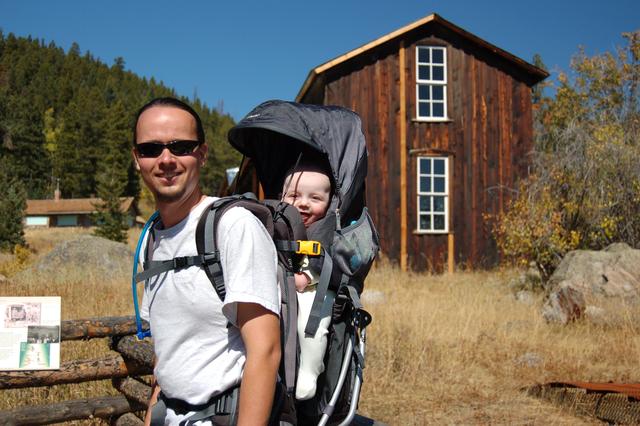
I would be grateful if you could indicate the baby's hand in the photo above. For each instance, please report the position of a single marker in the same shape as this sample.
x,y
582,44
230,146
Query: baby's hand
x,y
302,281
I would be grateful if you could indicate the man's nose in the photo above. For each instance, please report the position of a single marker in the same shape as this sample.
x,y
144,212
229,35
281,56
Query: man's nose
x,y
166,156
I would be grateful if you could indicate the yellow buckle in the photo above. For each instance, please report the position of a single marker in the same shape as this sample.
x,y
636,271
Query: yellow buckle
x,y
310,248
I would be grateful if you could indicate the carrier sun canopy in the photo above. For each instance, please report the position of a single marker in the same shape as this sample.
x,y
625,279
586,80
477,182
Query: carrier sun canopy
x,y
275,133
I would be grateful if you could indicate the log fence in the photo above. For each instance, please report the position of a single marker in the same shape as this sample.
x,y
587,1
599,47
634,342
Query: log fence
x,y
130,360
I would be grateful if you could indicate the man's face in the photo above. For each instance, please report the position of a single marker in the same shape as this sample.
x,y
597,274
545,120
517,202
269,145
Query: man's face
x,y
309,192
171,178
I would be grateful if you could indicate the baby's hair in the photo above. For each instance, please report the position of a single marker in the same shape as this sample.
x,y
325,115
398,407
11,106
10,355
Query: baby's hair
x,y
308,165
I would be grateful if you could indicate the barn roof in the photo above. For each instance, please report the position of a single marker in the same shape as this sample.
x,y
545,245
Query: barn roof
x,y
70,206
314,78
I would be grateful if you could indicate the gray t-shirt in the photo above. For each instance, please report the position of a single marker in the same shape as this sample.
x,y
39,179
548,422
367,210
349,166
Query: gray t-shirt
x,y
197,355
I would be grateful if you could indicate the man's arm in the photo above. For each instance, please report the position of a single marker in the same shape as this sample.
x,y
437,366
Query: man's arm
x,y
155,391
260,330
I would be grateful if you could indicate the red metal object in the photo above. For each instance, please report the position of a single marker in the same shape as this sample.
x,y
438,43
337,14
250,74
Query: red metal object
x,y
631,390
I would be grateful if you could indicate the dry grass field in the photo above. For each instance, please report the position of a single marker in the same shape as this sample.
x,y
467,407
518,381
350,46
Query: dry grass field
x,y
442,349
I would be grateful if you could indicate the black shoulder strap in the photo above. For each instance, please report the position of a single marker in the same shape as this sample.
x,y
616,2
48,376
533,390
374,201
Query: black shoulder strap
x,y
206,233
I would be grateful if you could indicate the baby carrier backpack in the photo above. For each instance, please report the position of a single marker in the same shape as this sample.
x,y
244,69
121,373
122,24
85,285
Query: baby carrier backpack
x,y
342,245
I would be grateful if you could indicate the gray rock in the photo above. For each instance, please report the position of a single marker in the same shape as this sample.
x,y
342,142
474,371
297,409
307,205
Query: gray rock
x,y
600,277
563,306
530,359
86,255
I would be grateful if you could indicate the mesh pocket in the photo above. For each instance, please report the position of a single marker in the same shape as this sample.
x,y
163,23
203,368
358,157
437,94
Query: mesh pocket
x,y
355,247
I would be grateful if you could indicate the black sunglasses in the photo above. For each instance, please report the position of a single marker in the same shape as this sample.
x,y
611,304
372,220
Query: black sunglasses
x,y
177,147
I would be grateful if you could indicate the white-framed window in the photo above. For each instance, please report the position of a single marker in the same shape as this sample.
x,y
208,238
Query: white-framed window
x,y
433,194
431,83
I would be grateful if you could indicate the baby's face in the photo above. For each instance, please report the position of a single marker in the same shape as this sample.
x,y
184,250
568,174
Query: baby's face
x,y
309,192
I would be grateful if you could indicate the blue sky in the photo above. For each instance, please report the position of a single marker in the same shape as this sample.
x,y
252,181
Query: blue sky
x,y
240,53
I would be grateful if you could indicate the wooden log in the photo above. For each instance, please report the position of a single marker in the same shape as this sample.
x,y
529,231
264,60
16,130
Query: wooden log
x,y
99,327
128,419
133,389
105,408
75,372
132,349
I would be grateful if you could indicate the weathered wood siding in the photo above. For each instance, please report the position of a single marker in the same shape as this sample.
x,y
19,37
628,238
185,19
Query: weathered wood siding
x,y
372,91
489,135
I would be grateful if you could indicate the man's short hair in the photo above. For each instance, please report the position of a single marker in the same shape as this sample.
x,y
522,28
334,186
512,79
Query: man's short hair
x,y
169,102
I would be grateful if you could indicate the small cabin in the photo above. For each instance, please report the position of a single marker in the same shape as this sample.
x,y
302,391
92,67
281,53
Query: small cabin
x,y
61,212
448,122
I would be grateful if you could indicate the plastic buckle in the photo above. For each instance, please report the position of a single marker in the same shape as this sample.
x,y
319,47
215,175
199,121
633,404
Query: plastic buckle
x,y
310,248
179,262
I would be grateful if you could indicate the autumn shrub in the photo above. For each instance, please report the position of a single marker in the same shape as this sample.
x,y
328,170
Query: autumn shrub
x,y
584,190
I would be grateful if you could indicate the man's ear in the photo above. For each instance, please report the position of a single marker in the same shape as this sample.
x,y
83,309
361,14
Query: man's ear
x,y
135,159
204,150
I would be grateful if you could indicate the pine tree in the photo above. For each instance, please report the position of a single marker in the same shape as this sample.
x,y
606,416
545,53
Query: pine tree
x,y
110,220
53,117
113,175
12,209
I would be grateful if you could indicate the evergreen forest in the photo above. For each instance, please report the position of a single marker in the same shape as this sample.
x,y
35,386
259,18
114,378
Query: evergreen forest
x,y
66,118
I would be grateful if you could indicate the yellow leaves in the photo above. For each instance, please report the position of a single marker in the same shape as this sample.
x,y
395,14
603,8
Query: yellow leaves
x,y
611,132
18,262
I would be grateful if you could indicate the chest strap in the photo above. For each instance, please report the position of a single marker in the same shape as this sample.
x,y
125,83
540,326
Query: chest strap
x,y
155,267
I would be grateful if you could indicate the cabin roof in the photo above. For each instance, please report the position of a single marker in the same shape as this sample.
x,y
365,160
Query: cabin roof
x,y
537,74
70,206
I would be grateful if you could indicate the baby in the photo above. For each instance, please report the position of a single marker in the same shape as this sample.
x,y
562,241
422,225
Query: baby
x,y
308,188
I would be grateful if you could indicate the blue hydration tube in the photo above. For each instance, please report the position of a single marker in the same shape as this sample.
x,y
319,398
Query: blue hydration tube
x,y
141,334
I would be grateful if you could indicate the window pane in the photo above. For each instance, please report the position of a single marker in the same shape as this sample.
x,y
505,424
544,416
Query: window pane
x,y
438,56
438,166
425,184
438,204
425,166
425,222
424,92
424,72
425,204
438,93
438,184
424,109
423,55
438,73
438,109
438,222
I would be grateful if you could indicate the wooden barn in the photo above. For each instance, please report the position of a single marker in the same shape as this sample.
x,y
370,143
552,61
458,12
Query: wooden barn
x,y
448,122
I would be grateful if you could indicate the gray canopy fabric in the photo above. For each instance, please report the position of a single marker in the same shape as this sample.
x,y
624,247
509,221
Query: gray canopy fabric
x,y
275,133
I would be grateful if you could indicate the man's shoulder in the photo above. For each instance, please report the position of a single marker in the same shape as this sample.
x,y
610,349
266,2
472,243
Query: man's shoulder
x,y
238,216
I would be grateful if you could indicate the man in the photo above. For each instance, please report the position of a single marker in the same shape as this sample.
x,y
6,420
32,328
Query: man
x,y
204,348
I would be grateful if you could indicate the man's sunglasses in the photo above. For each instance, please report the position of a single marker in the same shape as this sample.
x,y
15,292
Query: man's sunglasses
x,y
177,147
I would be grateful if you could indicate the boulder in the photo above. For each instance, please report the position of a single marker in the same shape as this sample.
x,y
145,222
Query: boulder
x,y
84,256
564,305
605,280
